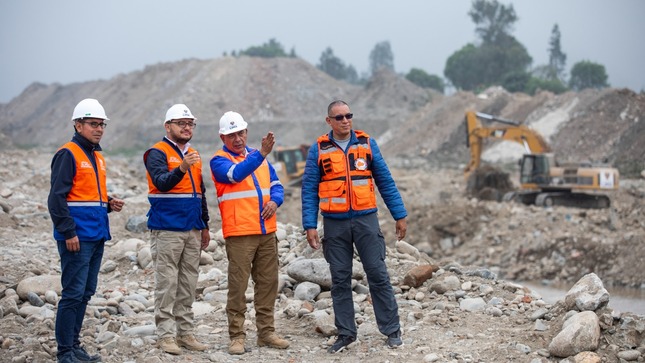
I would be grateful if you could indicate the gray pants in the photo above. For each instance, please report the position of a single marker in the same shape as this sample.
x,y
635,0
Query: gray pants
x,y
340,236
176,262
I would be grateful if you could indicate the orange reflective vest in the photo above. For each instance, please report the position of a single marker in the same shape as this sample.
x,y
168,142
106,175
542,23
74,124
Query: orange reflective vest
x,y
179,209
88,200
336,194
240,204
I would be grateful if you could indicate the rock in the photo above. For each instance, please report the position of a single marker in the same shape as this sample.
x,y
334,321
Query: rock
x,y
629,355
587,294
205,258
306,291
587,357
445,284
108,266
34,299
137,224
312,270
144,257
472,304
39,285
416,276
580,333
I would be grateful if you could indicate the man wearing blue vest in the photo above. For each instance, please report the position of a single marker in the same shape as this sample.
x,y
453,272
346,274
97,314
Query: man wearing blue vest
x,y
79,205
178,223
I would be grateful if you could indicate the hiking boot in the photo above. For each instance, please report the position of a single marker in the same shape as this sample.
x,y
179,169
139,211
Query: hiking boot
x,y
83,356
169,345
394,339
68,357
340,344
189,342
272,340
236,346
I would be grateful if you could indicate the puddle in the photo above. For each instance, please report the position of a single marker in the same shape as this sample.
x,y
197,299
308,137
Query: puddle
x,y
620,298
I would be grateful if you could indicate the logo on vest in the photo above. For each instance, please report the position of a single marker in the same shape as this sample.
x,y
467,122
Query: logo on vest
x,y
174,160
85,165
360,164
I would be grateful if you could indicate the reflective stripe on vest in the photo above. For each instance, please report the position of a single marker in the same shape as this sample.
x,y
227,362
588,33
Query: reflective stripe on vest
x,y
87,199
240,204
179,209
336,167
191,181
87,186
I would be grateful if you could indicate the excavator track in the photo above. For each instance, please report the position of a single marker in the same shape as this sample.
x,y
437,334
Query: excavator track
x,y
560,198
577,200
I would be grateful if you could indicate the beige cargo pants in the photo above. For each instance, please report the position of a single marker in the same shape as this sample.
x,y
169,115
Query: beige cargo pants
x,y
176,263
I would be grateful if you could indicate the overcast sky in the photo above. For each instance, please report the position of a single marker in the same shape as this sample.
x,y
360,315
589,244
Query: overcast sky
x,y
71,41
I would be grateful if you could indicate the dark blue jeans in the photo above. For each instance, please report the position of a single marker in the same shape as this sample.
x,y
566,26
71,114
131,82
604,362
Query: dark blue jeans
x,y
340,236
79,275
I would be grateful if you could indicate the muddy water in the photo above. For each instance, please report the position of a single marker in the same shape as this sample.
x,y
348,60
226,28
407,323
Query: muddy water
x,y
620,299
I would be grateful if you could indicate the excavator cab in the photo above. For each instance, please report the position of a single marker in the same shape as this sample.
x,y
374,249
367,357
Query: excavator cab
x,y
535,169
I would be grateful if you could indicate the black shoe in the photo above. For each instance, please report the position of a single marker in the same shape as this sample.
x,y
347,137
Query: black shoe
x,y
68,357
394,339
341,343
84,357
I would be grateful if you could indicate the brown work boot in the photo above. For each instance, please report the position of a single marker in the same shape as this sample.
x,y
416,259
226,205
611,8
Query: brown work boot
x,y
236,346
169,345
274,341
189,342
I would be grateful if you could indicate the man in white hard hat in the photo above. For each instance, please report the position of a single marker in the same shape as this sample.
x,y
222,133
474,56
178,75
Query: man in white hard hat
x,y
78,204
249,193
178,223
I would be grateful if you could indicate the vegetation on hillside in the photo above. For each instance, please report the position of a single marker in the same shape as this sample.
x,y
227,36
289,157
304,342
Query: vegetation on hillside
x,y
496,58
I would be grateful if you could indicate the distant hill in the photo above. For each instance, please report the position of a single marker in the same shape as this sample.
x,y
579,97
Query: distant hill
x,y
286,95
289,96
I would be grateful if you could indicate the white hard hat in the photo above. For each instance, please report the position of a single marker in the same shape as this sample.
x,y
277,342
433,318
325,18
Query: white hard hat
x,y
178,111
89,108
231,122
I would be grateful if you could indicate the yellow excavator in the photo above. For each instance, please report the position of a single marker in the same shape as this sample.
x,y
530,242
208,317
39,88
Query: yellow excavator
x,y
543,181
289,163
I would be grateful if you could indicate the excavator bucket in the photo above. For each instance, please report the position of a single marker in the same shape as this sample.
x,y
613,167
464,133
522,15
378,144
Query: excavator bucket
x,y
488,183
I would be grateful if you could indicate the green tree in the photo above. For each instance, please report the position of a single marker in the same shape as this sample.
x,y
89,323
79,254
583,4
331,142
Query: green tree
x,y
463,69
335,67
475,67
422,79
493,21
381,56
499,58
515,81
272,49
552,85
586,74
557,59
331,64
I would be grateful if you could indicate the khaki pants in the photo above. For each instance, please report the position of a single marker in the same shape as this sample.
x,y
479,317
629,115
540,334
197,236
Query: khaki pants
x,y
255,256
176,262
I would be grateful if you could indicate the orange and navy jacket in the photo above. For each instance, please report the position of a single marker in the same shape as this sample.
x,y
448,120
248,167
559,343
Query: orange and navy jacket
x,y
341,183
177,199
245,183
78,200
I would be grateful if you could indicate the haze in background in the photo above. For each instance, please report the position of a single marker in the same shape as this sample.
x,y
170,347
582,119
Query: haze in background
x,y
79,40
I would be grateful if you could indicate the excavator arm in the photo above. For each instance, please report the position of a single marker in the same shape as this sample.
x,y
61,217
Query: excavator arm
x,y
509,130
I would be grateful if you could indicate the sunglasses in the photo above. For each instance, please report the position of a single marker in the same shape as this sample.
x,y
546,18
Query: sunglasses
x,y
341,117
